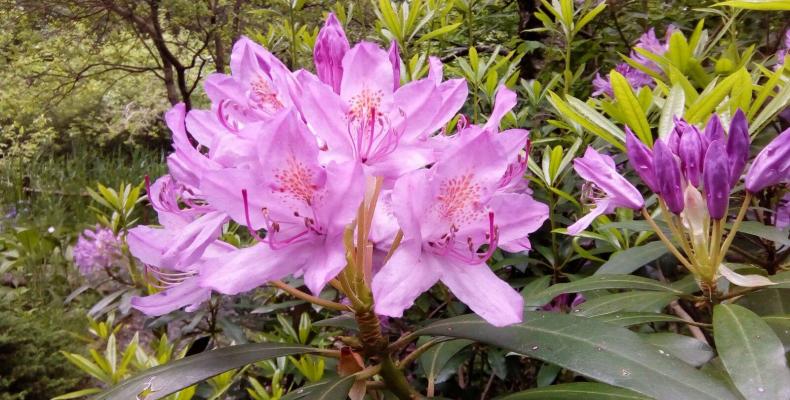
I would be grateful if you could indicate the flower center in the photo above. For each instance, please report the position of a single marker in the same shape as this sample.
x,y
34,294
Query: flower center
x,y
370,131
459,200
264,97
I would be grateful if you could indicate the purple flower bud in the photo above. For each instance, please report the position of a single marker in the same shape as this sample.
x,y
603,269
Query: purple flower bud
x,y
771,166
395,60
713,130
668,177
716,179
690,150
641,159
330,47
738,146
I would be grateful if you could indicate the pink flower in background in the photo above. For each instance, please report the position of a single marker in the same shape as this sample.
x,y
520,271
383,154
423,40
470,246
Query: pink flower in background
x,y
650,43
635,78
330,47
97,249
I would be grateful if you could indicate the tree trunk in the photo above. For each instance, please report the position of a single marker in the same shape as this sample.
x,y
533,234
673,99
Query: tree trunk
x,y
526,21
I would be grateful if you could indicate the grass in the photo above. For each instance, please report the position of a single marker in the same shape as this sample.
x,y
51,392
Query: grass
x,y
50,191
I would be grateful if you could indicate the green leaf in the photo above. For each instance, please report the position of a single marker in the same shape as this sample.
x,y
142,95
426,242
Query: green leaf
x,y
629,260
577,391
629,105
603,352
435,358
598,282
328,389
692,351
77,394
711,97
628,301
438,32
752,354
636,318
761,5
765,231
673,107
589,17
342,321
776,105
169,378
584,115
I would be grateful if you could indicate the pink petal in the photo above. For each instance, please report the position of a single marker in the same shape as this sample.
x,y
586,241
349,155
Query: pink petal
x,y
485,293
187,293
504,102
401,280
248,268
601,207
366,66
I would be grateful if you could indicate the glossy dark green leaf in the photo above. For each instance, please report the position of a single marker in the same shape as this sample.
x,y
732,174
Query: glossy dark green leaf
x,y
434,360
343,321
630,260
625,302
600,351
636,318
764,231
327,389
752,354
174,376
598,282
692,351
576,391
781,326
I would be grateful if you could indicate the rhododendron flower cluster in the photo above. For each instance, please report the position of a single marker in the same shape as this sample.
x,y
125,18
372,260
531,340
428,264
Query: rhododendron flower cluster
x,y
346,168
693,172
96,249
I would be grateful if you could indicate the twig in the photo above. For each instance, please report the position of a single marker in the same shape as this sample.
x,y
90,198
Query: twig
x,y
695,330
308,297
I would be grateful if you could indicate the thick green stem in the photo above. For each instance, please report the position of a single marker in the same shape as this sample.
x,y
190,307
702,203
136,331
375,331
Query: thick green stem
x,y
395,380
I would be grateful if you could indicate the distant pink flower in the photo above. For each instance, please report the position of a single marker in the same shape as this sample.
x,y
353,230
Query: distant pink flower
x,y
635,78
97,249
650,43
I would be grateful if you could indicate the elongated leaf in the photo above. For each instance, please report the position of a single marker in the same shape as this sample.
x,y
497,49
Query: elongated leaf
x,y
439,32
577,391
628,301
690,350
629,105
169,378
328,389
598,282
711,97
630,260
78,394
752,354
673,107
764,231
434,360
762,5
342,321
636,318
597,350
586,120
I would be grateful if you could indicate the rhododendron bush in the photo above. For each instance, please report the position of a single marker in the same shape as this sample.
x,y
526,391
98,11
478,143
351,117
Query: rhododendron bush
x,y
392,222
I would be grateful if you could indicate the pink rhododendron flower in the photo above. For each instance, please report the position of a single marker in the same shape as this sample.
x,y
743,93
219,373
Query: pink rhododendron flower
x,y
448,214
292,156
605,188
303,206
